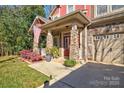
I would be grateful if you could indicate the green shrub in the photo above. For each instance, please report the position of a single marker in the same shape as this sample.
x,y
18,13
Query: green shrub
x,y
69,63
54,51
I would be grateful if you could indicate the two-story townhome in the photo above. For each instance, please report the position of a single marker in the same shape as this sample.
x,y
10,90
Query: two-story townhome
x,y
87,32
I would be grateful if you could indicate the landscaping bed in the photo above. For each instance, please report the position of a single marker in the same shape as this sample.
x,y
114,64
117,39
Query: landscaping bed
x,y
30,56
17,74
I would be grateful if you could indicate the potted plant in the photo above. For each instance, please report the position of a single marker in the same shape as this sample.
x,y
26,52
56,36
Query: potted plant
x,y
48,54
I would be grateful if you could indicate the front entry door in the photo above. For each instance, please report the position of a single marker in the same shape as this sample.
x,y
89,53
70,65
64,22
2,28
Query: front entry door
x,y
66,46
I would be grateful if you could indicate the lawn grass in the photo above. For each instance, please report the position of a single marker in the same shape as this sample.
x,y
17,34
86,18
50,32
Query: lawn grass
x,y
17,74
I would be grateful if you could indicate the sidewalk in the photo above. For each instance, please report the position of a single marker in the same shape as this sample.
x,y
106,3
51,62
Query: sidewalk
x,y
54,69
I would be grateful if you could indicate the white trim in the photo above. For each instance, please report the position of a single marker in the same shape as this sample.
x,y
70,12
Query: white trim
x,y
81,45
74,8
62,42
86,46
66,9
110,8
59,11
85,6
95,11
93,48
62,47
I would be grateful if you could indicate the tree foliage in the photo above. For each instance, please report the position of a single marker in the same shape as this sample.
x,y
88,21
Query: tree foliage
x,y
14,24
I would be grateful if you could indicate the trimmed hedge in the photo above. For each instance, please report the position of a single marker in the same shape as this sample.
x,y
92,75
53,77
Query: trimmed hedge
x,y
70,63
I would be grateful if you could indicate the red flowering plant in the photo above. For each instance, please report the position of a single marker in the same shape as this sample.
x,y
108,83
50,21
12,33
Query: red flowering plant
x,y
24,53
27,54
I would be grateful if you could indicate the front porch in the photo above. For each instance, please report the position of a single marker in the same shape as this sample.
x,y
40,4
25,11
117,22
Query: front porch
x,y
69,33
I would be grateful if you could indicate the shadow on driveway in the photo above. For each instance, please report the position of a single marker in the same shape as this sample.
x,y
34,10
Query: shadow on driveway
x,y
92,75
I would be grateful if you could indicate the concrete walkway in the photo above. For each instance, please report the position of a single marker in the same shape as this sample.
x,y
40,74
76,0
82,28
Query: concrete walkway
x,y
54,69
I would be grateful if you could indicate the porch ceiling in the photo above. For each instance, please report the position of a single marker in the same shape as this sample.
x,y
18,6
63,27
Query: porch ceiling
x,y
76,17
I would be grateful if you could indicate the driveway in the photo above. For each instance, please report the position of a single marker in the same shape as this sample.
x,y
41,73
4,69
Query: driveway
x,y
92,75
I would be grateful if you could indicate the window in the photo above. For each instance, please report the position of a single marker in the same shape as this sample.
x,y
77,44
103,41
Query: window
x,y
115,7
104,9
70,8
56,41
101,9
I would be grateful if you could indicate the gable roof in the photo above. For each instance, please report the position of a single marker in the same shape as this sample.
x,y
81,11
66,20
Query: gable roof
x,y
38,17
78,15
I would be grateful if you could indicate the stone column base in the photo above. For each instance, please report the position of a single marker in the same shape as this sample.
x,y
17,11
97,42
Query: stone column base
x,y
36,49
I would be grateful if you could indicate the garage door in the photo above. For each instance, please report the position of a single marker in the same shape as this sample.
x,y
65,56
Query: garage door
x,y
109,48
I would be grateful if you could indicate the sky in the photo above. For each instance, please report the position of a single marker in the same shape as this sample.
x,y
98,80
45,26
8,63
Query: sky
x,y
47,9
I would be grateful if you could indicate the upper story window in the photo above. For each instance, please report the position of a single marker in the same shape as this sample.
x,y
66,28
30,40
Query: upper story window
x,y
101,9
104,9
115,7
70,8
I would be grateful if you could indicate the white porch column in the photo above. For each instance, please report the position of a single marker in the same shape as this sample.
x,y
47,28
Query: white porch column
x,y
74,43
36,32
62,43
49,39
85,48
81,45
93,48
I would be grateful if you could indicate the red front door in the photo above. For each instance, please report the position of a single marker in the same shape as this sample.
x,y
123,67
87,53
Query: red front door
x,y
66,46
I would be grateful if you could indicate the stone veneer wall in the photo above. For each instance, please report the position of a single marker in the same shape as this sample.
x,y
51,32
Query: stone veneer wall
x,y
74,44
105,29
